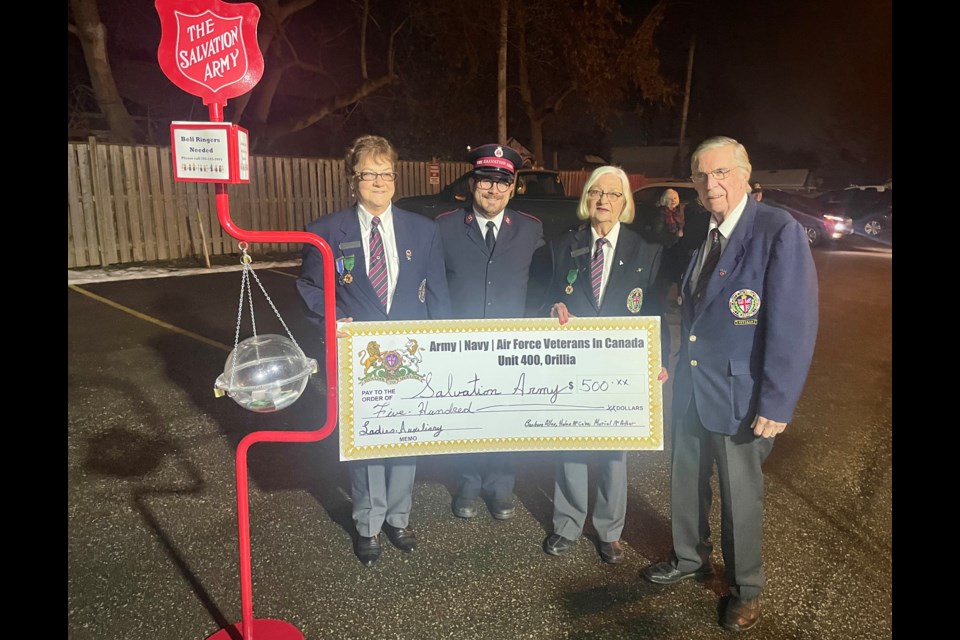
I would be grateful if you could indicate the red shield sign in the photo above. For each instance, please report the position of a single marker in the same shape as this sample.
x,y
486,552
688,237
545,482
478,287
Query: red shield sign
x,y
209,48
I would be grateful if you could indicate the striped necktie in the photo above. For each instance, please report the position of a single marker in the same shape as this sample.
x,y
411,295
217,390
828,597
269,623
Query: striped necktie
x,y
378,264
596,269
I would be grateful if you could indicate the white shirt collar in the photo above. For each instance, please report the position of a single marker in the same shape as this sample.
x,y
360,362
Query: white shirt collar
x,y
482,221
730,222
386,218
612,236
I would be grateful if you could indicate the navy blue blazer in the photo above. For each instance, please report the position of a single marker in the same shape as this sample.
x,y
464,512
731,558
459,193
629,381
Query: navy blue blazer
x,y
421,289
633,286
636,264
483,285
747,351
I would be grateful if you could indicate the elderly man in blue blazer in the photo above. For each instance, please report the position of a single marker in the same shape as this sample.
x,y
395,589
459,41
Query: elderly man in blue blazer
x,y
749,317
389,266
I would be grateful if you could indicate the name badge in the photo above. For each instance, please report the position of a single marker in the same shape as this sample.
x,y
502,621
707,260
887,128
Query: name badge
x,y
349,245
579,252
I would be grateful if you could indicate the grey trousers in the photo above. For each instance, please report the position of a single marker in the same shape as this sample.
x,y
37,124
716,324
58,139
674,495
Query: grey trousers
x,y
738,460
490,473
382,490
570,493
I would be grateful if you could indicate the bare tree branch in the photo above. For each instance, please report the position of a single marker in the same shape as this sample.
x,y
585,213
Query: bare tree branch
x,y
292,125
93,39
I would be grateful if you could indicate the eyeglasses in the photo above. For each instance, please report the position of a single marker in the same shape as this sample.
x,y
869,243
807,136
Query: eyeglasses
x,y
370,176
596,194
718,174
502,185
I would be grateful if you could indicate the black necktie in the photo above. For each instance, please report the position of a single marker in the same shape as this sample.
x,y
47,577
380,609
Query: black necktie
x,y
713,257
490,239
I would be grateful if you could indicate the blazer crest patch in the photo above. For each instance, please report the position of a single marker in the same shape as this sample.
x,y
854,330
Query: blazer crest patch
x,y
745,303
635,300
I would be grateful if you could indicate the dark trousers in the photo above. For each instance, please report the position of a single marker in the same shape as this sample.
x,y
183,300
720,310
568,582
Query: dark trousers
x,y
738,460
490,473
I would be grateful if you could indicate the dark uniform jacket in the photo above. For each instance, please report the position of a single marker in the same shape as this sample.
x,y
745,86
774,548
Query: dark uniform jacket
x,y
633,278
421,289
483,285
634,270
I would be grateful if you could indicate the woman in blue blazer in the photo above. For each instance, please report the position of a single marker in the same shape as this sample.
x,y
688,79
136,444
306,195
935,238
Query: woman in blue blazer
x,y
620,280
400,277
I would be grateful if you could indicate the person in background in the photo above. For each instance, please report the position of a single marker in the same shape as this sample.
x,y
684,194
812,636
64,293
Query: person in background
x,y
749,318
674,258
757,192
626,277
672,211
389,266
488,249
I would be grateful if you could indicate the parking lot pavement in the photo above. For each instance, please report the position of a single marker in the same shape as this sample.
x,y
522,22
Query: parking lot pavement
x,y
152,497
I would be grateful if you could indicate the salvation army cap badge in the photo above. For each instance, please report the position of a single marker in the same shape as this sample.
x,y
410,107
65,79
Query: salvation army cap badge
x,y
422,291
498,152
635,300
744,303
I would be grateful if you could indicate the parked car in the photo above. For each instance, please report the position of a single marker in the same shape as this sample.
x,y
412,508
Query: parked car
x,y
869,206
646,201
539,192
820,226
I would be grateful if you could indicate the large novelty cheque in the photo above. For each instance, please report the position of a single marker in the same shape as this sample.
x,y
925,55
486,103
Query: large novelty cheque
x,y
467,386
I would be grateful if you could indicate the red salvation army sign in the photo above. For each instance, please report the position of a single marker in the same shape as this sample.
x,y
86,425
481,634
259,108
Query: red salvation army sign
x,y
209,48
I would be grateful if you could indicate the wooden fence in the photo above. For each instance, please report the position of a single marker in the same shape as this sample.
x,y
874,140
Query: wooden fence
x,y
123,205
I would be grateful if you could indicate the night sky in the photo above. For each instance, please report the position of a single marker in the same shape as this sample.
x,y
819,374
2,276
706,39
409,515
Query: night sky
x,y
792,70
793,63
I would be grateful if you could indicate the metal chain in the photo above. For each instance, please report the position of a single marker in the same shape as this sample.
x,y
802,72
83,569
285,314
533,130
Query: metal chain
x,y
245,286
265,295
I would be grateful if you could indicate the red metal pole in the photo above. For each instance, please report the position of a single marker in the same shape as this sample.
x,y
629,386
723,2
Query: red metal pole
x,y
276,629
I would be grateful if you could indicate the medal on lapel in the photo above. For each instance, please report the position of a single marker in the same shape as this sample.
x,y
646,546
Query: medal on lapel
x,y
571,278
348,262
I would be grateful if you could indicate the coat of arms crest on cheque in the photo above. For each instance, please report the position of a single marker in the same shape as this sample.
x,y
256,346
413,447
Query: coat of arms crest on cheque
x,y
390,366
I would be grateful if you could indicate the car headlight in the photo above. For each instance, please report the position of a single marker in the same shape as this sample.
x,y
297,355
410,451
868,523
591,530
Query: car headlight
x,y
841,225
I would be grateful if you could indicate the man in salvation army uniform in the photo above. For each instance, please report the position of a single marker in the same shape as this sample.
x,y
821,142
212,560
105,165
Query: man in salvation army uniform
x,y
488,249
601,269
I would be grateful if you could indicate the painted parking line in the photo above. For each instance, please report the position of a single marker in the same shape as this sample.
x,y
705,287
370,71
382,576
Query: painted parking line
x,y
159,323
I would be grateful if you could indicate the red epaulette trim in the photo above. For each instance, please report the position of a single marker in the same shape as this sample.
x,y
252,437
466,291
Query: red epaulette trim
x,y
529,215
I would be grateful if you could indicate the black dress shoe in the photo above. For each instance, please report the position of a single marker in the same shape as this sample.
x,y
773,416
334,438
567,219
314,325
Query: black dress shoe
x,y
557,545
611,552
368,550
465,507
502,509
741,614
404,538
666,573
